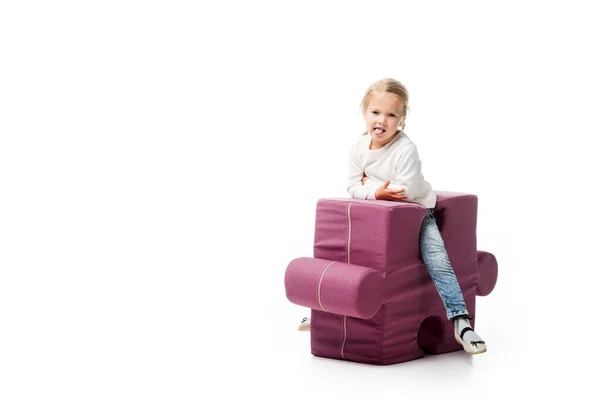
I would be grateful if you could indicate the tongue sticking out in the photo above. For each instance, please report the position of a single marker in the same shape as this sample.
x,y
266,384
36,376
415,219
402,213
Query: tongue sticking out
x,y
378,131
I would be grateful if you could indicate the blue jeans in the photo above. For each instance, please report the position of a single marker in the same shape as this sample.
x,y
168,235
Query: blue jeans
x,y
435,257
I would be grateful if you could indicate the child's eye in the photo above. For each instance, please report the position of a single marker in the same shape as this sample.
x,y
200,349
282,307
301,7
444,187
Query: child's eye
x,y
374,112
393,115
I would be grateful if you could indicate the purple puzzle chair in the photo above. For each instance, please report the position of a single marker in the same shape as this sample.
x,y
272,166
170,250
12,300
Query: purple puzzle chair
x,y
371,297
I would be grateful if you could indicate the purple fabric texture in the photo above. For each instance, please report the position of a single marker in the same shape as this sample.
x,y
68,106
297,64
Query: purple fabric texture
x,y
488,273
367,246
334,287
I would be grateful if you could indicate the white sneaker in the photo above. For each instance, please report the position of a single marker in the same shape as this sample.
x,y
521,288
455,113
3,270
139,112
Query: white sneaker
x,y
469,340
305,324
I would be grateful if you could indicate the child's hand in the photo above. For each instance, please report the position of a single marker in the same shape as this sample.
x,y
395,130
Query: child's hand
x,y
383,193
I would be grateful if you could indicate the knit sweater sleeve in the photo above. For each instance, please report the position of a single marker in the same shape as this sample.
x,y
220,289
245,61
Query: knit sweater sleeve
x,y
407,172
355,174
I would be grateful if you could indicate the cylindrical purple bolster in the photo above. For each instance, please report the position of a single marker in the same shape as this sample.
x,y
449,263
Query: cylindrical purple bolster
x,y
334,287
488,273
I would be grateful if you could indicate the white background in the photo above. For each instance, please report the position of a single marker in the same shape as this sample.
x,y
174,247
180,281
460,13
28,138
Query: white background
x,y
160,164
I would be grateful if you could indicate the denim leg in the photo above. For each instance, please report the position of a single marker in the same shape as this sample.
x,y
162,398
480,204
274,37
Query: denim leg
x,y
435,257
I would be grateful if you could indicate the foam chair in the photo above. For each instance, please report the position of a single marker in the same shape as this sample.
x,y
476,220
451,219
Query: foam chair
x,y
371,297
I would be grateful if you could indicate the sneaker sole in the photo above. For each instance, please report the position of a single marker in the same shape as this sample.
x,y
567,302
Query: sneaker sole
x,y
466,346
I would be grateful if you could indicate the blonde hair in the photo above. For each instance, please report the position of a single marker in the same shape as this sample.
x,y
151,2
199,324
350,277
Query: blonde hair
x,y
387,86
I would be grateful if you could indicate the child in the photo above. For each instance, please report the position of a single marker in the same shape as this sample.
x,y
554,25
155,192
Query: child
x,y
385,165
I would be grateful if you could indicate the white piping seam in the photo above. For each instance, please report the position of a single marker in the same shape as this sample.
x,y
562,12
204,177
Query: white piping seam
x,y
349,229
348,251
344,341
319,288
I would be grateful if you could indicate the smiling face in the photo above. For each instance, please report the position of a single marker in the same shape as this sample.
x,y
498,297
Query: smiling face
x,y
382,117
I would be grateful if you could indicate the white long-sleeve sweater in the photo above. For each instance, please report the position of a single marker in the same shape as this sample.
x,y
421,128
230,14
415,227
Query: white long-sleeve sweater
x,y
397,161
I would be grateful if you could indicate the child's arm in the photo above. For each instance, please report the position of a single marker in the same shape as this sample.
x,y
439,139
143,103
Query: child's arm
x,y
407,173
355,187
